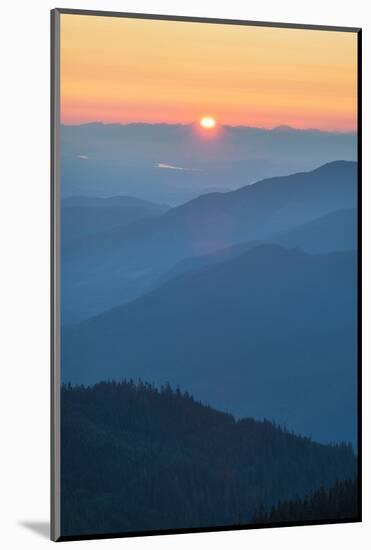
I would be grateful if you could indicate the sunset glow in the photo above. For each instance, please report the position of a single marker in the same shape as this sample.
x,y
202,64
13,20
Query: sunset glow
x,y
131,70
208,122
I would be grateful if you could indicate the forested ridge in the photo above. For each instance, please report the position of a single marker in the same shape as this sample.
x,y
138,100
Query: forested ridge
x,y
339,502
136,457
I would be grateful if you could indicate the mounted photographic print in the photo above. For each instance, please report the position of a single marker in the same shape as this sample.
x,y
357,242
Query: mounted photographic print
x,y
205,274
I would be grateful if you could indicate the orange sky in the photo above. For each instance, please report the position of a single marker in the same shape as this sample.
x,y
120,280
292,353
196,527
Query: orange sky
x,y
132,70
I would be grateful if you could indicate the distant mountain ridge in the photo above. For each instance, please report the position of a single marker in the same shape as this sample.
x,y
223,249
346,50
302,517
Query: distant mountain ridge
x,y
83,217
123,263
333,232
103,202
115,159
251,212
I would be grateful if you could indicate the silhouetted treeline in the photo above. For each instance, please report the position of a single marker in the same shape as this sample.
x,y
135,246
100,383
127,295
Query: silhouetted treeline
x,y
138,458
339,502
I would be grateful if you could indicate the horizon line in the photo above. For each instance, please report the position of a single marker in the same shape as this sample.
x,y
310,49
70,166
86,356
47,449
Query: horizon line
x,y
279,127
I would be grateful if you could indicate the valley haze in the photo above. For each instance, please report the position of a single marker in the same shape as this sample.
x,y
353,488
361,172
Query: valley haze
x,y
128,156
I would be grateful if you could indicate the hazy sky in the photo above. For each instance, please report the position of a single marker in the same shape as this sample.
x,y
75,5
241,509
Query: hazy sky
x,y
130,70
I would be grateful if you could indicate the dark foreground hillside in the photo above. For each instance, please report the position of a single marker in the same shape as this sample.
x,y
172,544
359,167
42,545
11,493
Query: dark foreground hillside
x,y
135,458
339,502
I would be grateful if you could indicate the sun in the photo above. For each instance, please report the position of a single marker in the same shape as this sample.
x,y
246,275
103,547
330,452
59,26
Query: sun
x,y
208,122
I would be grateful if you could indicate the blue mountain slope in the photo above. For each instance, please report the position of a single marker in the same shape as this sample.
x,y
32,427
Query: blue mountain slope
x,y
271,333
120,265
87,216
333,232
